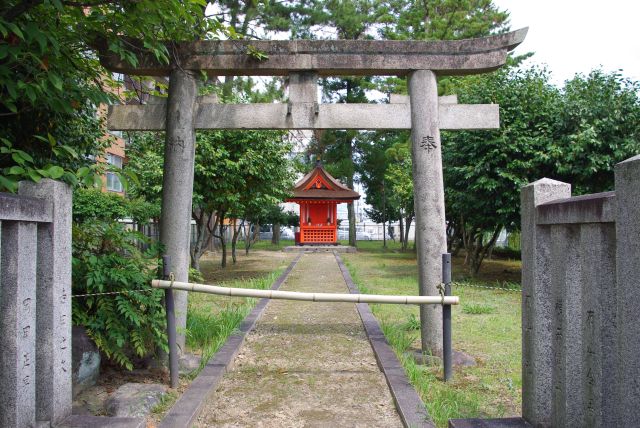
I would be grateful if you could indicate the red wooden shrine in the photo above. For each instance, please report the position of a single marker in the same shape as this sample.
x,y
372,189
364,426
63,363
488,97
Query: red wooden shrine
x,y
318,195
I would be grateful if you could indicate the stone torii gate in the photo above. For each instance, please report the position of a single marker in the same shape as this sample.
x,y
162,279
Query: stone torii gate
x,y
303,61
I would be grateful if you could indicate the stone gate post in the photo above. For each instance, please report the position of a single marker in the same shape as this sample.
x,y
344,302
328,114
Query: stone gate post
x,y
627,179
35,305
537,303
18,323
428,191
53,302
177,184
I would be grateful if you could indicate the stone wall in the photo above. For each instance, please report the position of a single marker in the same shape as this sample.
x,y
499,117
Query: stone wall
x,y
35,304
581,302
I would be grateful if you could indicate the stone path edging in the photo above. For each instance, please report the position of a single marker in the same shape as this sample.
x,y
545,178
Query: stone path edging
x,y
83,421
184,412
408,403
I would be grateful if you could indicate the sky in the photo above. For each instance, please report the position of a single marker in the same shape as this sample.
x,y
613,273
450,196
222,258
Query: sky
x,y
573,36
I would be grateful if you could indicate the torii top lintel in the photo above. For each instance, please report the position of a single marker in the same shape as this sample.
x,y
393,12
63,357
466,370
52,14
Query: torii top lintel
x,y
329,57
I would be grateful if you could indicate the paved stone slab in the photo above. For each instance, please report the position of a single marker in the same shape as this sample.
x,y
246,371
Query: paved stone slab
x,y
305,364
84,421
489,423
319,249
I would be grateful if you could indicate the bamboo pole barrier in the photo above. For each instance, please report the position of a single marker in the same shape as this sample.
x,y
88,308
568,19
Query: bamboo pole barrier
x,y
310,297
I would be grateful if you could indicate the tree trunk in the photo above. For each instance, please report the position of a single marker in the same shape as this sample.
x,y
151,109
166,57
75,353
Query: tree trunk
x,y
196,249
454,237
203,236
482,253
251,238
466,237
222,238
247,241
401,237
407,227
384,234
234,240
384,217
351,207
352,224
275,237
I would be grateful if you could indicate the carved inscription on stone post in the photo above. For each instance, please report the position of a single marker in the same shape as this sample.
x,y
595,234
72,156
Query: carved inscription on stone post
x,y
428,143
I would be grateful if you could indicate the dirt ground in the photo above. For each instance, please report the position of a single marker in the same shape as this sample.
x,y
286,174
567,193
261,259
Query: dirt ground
x,y
255,264
305,364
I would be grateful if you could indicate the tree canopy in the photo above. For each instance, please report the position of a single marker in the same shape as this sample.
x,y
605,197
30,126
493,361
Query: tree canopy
x,y
574,134
51,81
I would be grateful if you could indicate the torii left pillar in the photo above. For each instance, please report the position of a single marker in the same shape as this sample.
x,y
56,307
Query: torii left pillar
x,y
177,185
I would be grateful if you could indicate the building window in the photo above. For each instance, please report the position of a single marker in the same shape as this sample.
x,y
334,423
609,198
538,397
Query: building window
x,y
113,181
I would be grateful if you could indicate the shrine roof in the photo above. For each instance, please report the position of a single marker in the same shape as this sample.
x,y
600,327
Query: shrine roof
x,y
319,184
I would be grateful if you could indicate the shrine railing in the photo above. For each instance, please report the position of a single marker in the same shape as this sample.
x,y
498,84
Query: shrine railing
x,y
314,234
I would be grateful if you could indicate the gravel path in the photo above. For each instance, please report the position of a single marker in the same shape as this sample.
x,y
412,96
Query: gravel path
x,y
305,364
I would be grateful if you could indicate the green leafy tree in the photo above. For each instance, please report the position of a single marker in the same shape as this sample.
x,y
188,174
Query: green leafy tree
x,y
145,159
51,82
236,174
574,134
372,168
441,19
277,217
484,170
400,183
600,127
437,20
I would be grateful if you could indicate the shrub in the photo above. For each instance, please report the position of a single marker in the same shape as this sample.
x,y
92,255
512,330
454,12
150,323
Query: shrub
x,y
106,259
92,204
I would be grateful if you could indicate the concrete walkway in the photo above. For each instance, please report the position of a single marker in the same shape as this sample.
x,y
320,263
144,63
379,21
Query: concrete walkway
x,y
305,364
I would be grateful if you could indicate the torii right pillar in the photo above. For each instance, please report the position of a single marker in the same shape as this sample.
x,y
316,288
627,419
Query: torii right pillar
x,y
428,196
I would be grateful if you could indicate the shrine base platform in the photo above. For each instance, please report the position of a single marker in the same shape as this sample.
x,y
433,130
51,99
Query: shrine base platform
x,y
311,248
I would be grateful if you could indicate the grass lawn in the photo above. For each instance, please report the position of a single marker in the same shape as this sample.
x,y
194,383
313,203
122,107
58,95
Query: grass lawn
x,y
486,326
